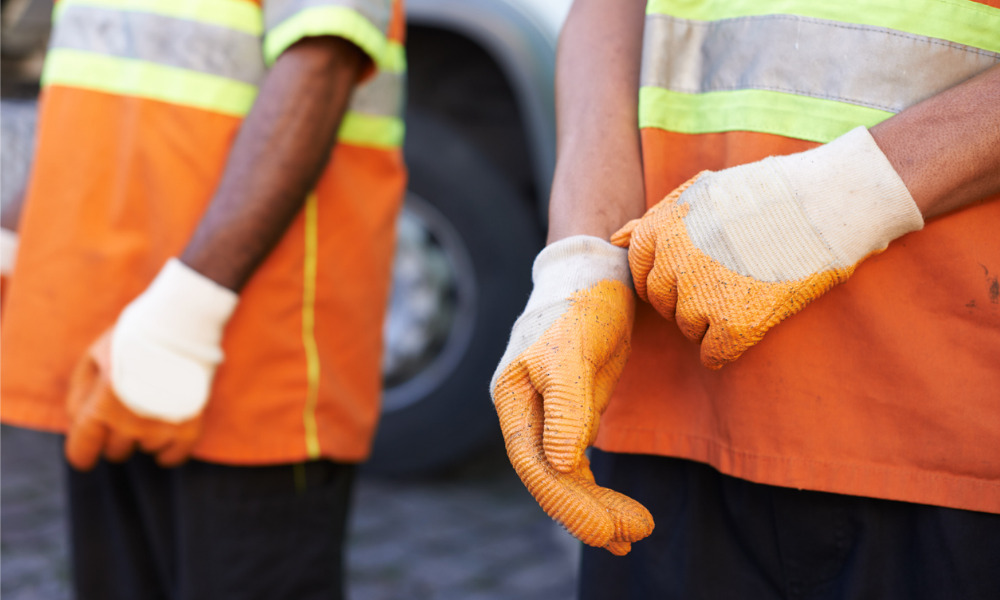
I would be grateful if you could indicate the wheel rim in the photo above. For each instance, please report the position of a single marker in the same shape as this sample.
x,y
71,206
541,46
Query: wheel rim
x,y
432,306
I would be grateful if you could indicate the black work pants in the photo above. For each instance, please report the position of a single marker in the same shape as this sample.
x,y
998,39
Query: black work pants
x,y
207,531
726,538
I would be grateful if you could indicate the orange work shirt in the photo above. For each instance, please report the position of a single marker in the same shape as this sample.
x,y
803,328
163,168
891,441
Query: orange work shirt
x,y
132,141
888,386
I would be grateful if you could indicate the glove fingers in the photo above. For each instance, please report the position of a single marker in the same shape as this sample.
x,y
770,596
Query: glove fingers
x,y
641,255
84,442
81,385
569,416
604,385
519,408
623,236
692,322
118,447
180,447
661,283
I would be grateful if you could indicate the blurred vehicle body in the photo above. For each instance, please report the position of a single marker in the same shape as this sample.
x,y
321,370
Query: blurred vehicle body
x,y
480,147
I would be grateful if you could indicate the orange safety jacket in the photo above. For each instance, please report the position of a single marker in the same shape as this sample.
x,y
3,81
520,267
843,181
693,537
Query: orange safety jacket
x,y
140,106
889,385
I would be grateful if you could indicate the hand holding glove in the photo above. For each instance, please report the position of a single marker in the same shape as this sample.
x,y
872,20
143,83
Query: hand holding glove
x,y
146,381
730,254
566,352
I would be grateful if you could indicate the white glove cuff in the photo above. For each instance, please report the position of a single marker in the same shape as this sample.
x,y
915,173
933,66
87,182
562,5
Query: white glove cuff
x,y
8,251
561,269
873,206
573,264
172,334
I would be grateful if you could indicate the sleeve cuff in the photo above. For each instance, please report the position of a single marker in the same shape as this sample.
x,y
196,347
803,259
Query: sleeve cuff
x,y
337,21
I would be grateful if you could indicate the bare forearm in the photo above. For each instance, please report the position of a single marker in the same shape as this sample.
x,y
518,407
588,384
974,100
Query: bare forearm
x,y
278,156
598,182
947,148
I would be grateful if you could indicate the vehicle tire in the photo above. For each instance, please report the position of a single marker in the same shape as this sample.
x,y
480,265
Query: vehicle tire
x,y
440,411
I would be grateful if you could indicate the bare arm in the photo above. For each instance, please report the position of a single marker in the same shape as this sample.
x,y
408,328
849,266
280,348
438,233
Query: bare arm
x,y
598,182
947,148
278,155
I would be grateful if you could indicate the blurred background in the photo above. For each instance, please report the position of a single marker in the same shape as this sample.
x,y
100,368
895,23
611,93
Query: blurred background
x,y
439,513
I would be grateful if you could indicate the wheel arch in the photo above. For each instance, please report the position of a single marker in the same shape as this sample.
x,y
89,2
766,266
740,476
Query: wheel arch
x,y
521,42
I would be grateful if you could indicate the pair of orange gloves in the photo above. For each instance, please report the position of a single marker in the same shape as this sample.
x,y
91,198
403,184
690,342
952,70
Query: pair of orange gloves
x,y
727,256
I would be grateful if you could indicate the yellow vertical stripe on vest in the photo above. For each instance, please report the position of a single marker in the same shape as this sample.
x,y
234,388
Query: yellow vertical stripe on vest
x,y
234,14
129,77
961,21
802,117
310,210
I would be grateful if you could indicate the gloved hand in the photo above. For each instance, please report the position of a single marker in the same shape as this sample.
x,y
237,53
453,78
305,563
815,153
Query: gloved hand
x,y
730,254
8,255
566,352
146,381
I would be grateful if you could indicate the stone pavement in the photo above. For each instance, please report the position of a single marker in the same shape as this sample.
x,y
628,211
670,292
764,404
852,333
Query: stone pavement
x,y
472,534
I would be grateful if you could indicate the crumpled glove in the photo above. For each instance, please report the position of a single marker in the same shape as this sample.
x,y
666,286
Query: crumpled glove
x,y
730,254
566,353
145,383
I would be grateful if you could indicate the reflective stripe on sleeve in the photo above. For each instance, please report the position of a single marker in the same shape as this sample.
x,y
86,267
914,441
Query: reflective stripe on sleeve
x,y
961,21
377,12
326,20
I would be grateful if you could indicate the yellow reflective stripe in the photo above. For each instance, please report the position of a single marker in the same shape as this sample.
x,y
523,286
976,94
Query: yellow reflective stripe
x,y
801,117
395,58
326,20
962,21
234,14
130,77
310,211
374,131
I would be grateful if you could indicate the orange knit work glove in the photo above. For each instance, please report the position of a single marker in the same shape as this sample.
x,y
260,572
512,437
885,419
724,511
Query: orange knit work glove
x,y
730,254
102,425
145,383
567,351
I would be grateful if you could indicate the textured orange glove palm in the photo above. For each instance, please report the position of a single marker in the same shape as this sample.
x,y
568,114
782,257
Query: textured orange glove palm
x,y
102,426
730,254
566,353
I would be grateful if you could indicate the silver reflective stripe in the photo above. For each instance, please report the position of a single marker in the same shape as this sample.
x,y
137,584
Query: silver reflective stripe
x,y
864,65
376,11
159,39
382,95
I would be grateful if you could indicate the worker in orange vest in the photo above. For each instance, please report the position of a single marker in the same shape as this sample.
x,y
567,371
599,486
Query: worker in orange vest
x,y
804,198
202,268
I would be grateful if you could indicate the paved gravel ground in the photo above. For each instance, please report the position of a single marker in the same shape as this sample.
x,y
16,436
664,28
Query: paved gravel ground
x,y
474,534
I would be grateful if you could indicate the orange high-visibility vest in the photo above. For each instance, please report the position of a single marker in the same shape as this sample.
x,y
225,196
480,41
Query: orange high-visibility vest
x,y
140,106
889,385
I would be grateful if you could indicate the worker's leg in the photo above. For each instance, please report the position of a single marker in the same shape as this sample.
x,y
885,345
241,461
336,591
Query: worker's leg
x,y
209,531
721,537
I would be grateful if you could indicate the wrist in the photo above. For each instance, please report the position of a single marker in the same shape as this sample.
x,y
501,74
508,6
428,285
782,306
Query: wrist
x,y
575,263
871,204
